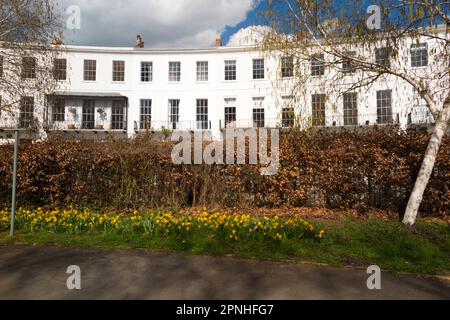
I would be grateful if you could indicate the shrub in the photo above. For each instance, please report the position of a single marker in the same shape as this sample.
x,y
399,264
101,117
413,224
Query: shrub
x,y
343,169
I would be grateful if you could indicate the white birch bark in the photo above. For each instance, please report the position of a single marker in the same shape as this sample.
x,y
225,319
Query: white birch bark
x,y
426,170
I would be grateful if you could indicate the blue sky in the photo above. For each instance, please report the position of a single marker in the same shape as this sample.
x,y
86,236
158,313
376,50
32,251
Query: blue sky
x,y
254,17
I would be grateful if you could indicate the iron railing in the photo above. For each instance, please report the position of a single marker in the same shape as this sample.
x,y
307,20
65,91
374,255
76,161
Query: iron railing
x,y
179,125
418,116
86,125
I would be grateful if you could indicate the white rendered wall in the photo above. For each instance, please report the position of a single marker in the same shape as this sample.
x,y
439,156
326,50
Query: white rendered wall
x,y
216,89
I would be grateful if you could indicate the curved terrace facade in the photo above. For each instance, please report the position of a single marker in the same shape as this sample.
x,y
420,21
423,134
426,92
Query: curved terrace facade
x,y
133,90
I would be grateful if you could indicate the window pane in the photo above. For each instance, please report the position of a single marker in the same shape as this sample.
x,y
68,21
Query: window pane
x,y
174,71
318,109
287,67
174,113
119,71
287,113
384,107
350,109
90,70
146,71
258,69
145,122
419,55
230,70
258,113
258,118
383,56
60,69
347,66
202,71
88,116
26,112
59,109
288,117
230,113
28,68
117,115
202,114
318,65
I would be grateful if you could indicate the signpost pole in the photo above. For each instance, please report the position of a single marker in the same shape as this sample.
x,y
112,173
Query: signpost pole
x,y
14,186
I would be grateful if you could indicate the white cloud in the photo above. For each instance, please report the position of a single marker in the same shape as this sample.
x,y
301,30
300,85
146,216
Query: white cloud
x,y
248,36
162,23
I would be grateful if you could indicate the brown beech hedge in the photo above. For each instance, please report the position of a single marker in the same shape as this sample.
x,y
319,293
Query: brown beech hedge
x,y
335,170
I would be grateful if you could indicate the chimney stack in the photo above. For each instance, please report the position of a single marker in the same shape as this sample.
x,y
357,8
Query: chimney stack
x,y
57,41
219,41
139,42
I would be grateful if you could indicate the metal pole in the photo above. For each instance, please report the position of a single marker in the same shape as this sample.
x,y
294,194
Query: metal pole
x,y
13,201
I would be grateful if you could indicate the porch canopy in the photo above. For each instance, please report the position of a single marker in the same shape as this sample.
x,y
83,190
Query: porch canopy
x,y
90,94
117,118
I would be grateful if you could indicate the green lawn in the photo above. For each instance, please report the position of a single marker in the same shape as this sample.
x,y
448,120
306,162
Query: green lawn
x,y
423,249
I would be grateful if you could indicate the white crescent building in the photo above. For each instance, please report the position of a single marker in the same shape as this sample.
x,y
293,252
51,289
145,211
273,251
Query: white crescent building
x,y
133,90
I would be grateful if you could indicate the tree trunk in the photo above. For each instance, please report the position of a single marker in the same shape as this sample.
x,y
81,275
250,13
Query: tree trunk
x,y
426,170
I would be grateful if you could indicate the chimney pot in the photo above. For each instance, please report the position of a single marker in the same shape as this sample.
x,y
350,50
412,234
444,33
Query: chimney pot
x,y
219,41
139,42
57,41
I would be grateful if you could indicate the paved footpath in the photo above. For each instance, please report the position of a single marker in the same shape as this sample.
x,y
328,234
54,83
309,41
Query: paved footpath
x,y
37,272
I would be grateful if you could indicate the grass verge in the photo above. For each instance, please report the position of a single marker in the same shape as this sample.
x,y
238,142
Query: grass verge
x,y
423,249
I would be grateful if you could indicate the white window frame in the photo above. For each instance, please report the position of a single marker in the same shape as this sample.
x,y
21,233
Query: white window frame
x,y
419,55
318,109
89,70
287,112
118,119
384,107
318,65
174,71
118,71
145,114
229,111
287,67
230,69
350,108
202,114
26,115
258,109
202,71
174,113
147,73
259,70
